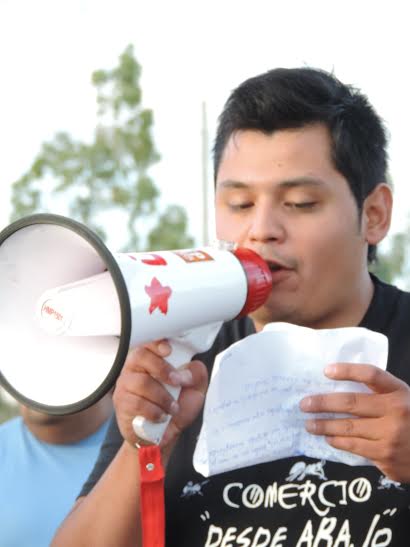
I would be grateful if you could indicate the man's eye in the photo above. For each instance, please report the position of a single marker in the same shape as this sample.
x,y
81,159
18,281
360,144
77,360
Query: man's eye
x,y
301,204
240,206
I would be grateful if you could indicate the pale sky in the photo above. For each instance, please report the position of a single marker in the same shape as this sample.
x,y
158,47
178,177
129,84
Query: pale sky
x,y
190,51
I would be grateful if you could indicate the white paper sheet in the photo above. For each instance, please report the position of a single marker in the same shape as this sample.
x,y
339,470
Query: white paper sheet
x,y
252,410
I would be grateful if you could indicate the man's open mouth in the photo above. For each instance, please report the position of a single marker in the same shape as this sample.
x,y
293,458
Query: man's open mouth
x,y
275,267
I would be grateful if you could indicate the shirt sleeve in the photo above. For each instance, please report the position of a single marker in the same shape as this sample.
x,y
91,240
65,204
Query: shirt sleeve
x,y
110,446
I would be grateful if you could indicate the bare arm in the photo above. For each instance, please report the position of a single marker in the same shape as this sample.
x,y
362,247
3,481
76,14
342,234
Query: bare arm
x,y
109,516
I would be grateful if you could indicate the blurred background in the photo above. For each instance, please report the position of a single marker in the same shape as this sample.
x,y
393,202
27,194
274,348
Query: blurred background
x,y
108,109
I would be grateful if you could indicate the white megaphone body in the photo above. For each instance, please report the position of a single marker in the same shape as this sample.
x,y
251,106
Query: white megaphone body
x,y
70,309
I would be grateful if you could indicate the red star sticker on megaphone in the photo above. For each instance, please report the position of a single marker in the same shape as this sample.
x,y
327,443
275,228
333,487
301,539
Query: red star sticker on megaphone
x,y
159,296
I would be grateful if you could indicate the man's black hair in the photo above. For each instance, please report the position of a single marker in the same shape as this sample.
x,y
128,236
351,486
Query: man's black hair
x,y
290,98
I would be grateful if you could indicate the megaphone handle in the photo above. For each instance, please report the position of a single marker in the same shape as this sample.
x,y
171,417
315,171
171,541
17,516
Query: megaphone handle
x,y
150,431
184,347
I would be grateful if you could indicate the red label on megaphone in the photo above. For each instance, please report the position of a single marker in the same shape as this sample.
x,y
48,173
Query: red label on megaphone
x,y
54,318
47,309
195,255
154,260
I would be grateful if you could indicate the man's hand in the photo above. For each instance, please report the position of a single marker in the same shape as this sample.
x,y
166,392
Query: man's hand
x,y
140,391
380,425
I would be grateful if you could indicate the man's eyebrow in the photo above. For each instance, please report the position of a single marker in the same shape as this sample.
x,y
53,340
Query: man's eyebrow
x,y
302,181
288,183
233,184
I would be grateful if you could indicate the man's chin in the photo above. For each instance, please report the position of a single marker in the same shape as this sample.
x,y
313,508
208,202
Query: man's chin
x,y
39,418
271,314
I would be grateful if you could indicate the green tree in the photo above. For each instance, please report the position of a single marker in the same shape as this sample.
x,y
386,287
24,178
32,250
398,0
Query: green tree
x,y
7,409
170,231
390,264
111,172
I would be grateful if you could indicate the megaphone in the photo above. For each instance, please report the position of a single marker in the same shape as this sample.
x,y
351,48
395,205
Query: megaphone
x,y
70,309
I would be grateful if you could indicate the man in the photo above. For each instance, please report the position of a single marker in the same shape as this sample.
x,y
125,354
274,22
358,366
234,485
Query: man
x,y
300,165
44,460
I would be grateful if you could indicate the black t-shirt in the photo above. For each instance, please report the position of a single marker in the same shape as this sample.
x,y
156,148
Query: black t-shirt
x,y
293,502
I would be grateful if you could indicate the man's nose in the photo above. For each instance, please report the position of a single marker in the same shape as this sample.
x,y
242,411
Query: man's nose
x,y
266,225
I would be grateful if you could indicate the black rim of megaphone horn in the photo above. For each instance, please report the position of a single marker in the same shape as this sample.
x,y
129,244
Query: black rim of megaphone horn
x,y
113,268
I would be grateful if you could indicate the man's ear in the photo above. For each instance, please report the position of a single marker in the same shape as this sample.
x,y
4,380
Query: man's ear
x,y
376,215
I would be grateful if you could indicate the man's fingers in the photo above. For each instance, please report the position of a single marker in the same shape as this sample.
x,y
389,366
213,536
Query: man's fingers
x,y
143,359
151,358
137,393
359,404
192,399
362,447
199,374
378,380
162,348
132,406
143,387
362,428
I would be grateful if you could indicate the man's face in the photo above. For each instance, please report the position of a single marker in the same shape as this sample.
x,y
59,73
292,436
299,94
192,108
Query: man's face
x,y
281,196
34,417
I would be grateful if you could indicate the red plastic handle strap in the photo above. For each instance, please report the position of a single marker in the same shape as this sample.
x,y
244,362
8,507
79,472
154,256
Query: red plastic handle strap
x,y
152,496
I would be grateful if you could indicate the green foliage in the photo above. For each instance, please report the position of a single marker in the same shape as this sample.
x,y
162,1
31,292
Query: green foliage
x,y
391,264
7,410
111,172
171,230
